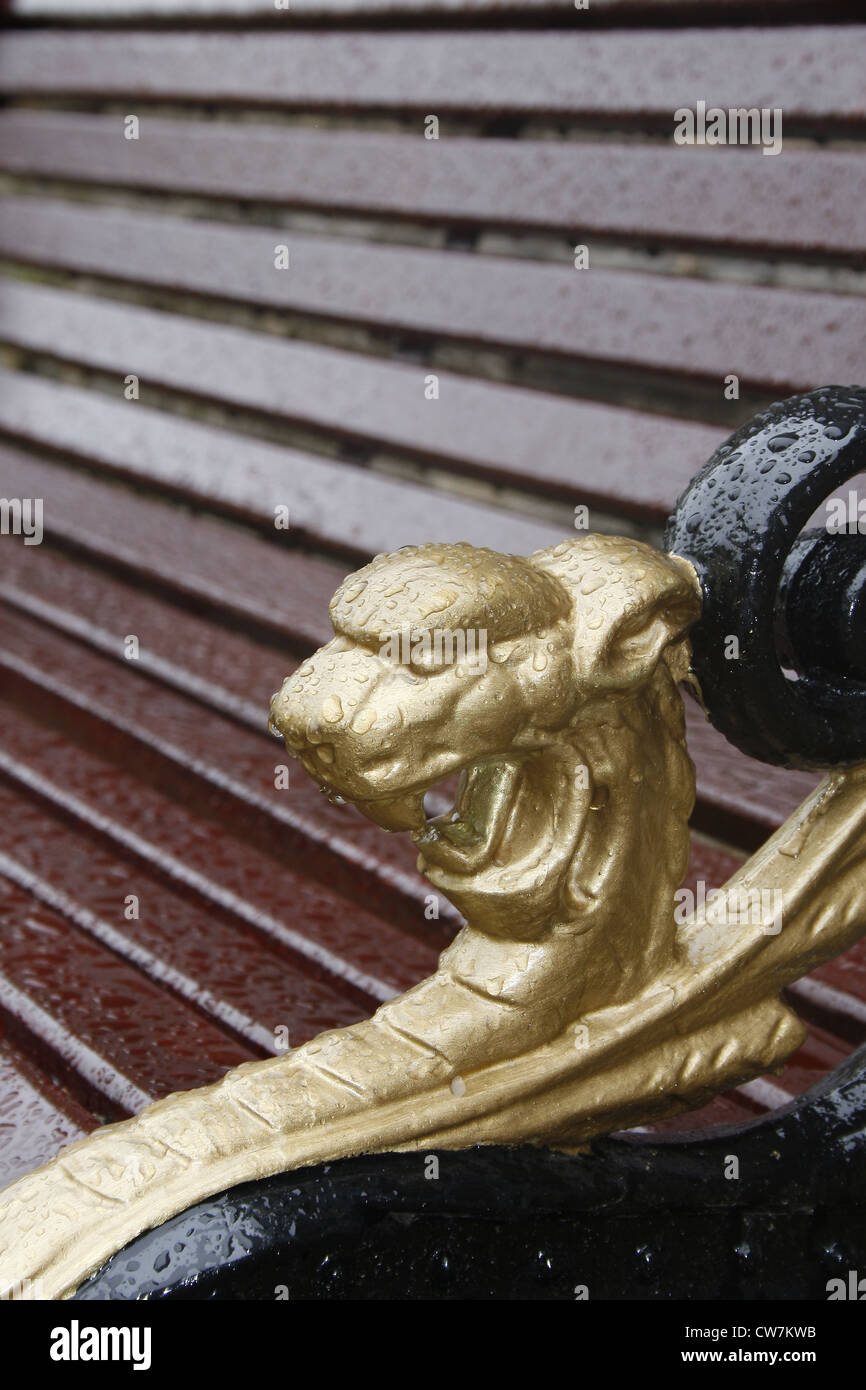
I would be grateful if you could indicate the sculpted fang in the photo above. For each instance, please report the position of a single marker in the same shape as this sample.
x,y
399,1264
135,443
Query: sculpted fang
x,y
573,1001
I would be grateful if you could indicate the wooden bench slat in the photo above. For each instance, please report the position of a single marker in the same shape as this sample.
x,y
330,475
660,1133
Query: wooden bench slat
x,y
130,1040
581,450
643,193
339,505
610,74
197,657
330,854
331,936
245,984
820,1053
691,329
36,1117
221,570
300,9
736,794
224,670
833,996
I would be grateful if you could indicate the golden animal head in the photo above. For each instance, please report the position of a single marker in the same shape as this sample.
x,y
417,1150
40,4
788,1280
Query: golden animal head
x,y
547,684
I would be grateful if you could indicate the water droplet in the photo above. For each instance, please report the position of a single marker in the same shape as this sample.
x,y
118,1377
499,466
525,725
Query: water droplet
x,y
364,720
332,710
780,442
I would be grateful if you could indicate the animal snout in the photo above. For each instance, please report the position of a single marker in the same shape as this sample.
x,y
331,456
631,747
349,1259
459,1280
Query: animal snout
x,y
333,716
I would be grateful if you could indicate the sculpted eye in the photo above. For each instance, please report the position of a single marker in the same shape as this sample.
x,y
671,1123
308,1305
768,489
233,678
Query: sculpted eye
x,y
429,652
430,663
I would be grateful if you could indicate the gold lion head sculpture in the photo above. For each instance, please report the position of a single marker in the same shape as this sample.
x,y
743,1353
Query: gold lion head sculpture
x,y
549,685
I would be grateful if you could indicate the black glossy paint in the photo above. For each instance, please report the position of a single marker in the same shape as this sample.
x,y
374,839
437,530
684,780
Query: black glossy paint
x,y
821,617
632,1219
736,522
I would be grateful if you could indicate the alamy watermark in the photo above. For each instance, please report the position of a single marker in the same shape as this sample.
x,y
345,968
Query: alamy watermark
x,y
756,907
738,125
435,647
22,516
846,515
77,1343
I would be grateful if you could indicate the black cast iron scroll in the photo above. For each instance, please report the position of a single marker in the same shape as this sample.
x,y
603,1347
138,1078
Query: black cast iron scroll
x,y
783,599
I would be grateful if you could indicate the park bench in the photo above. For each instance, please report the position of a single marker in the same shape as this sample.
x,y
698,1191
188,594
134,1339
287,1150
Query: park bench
x,y
270,298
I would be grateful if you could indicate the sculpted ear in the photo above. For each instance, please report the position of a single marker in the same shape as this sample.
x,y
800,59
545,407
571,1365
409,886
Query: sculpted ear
x,y
639,640
631,607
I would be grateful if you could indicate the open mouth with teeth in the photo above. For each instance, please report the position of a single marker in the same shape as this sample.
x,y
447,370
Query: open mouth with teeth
x,y
465,837
514,821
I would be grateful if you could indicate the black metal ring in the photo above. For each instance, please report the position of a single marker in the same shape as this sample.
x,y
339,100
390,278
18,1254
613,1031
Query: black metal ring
x,y
736,522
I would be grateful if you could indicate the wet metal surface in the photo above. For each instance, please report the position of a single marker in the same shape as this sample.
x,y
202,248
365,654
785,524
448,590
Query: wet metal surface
x,y
736,523
632,1220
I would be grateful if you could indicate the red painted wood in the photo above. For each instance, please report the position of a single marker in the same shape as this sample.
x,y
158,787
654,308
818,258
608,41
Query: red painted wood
x,y
333,936
682,328
579,450
37,1118
222,570
245,982
90,1018
739,799
334,504
641,193
203,759
225,670
819,1054
641,75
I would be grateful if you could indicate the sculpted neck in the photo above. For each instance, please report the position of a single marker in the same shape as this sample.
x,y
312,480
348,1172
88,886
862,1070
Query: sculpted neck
x,y
634,851
577,911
